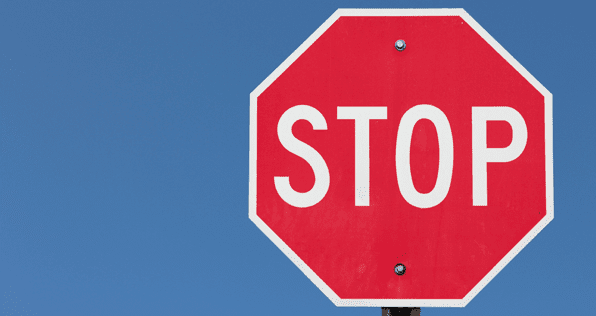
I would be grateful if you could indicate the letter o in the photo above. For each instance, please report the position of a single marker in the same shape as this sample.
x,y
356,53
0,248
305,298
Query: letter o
x,y
402,156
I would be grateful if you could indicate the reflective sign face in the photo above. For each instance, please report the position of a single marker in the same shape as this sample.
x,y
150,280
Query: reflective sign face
x,y
401,157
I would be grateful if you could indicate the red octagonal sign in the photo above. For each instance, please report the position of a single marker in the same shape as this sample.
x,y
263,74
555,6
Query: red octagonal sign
x,y
401,157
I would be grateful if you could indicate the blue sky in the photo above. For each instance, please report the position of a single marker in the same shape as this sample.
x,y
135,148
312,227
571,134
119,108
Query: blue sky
x,y
124,157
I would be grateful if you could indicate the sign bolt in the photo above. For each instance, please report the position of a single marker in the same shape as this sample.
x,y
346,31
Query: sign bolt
x,y
399,269
400,45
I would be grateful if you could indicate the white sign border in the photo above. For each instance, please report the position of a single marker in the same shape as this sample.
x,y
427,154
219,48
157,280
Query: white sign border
x,y
400,302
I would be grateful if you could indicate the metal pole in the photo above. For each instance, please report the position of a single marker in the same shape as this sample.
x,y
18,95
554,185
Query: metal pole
x,y
405,311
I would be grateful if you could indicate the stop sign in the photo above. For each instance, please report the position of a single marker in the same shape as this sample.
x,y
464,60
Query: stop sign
x,y
400,157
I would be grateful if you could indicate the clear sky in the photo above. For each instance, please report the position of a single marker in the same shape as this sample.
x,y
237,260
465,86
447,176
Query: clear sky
x,y
124,157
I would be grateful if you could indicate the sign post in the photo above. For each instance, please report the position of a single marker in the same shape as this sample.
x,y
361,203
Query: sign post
x,y
401,157
401,311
